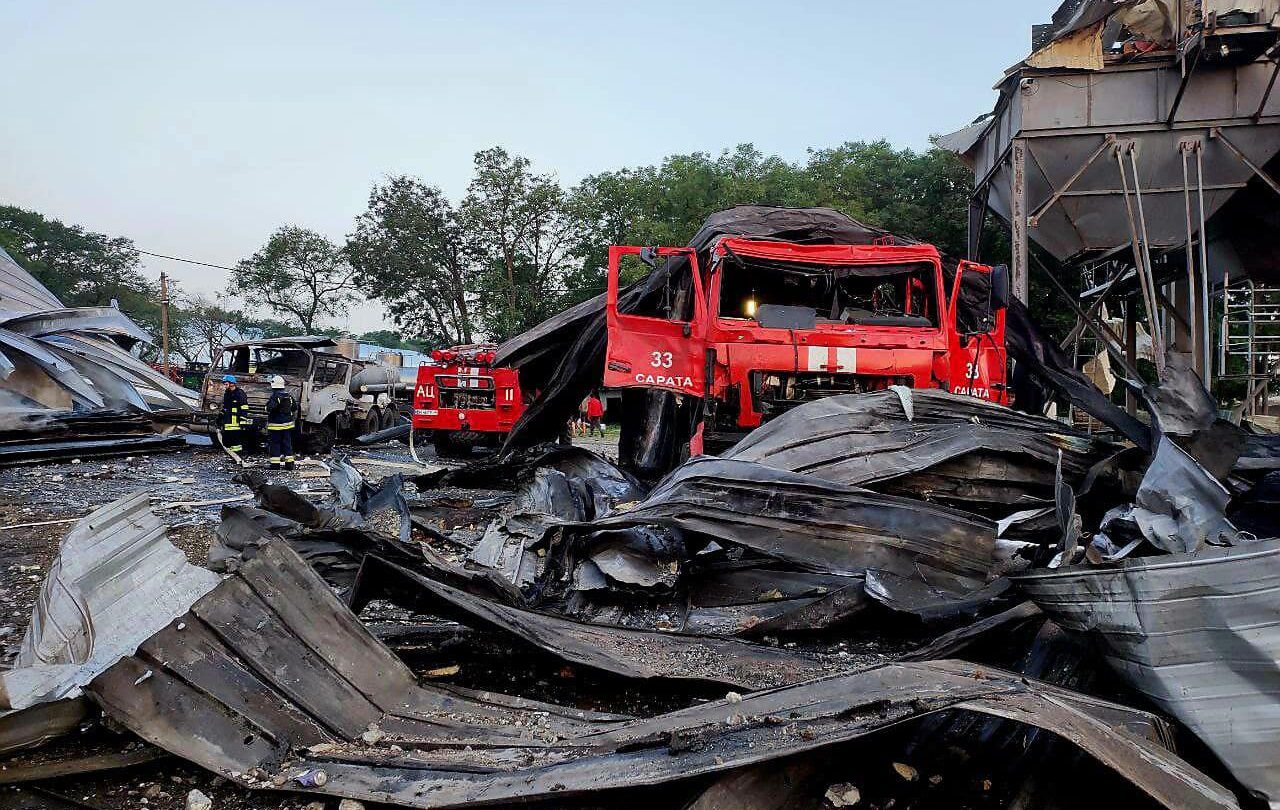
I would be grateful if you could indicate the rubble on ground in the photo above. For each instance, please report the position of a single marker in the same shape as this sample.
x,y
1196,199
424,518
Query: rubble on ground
x,y
880,575
890,599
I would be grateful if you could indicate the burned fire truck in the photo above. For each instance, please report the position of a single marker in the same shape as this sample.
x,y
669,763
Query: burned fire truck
x,y
462,401
769,325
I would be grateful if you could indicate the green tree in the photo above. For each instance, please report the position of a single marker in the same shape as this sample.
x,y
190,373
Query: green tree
x,y
918,194
258,328
81,267
298,274
412,254
924,195
200,326
520,238
383,337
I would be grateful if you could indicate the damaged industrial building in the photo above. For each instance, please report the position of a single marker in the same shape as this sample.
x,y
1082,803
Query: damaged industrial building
x,y
871,538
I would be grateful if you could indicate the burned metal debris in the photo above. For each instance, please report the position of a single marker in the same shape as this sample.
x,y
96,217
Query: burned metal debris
x,y
117,580
69,386
283,683
818,570
957,449
1196,634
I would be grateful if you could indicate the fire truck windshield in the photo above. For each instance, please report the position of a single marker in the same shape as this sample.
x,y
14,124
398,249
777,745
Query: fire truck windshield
x,y
898,295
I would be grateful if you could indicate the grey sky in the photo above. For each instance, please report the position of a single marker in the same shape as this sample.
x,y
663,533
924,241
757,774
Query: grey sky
x,y
196,129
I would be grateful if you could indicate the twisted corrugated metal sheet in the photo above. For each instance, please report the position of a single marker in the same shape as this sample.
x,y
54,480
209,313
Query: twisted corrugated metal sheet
x,y
54,358
1199,634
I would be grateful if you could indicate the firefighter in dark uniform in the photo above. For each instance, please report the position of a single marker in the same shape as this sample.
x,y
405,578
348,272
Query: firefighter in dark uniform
x,y
235,415
280,424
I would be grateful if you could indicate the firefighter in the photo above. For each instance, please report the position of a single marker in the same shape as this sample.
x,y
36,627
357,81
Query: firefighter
x,y
280,423
235,415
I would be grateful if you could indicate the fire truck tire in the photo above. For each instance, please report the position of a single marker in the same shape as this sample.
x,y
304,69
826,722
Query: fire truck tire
x,y
390,417
451,443
319,439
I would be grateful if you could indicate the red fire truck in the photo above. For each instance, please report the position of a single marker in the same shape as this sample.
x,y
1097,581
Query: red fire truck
x,y
770,325
463,401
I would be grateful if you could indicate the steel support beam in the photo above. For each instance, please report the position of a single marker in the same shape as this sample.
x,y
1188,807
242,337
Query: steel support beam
x,y
1266,178
1107,142
1100,330
1141,253
1018,215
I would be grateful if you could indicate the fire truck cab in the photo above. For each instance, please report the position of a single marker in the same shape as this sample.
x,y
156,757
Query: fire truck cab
x,y
462,401
770,325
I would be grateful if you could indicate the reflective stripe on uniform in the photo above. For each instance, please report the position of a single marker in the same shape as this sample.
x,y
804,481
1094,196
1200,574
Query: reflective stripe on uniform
x,y
280,426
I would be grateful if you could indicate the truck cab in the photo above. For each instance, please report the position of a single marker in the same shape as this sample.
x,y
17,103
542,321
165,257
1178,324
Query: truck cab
x,y
770,325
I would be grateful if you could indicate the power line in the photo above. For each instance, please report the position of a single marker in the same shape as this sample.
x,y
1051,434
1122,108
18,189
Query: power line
x,y
186,261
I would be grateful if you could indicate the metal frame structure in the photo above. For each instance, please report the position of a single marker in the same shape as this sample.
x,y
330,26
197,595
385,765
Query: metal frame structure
x,y
1123,169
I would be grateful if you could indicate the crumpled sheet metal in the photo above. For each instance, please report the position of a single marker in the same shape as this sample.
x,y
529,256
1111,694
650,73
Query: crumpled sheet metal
x,y
1180,507
20,293
116,577
812,523
97,320
158,390
116,581
864,439
49,340
1198,634
269,665
640,654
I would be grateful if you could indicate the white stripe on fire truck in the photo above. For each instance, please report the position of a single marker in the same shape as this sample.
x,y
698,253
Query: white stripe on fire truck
x,y
823,358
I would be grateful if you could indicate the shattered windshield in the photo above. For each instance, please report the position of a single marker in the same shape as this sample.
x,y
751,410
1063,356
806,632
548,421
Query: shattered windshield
x,y
873,295
264,360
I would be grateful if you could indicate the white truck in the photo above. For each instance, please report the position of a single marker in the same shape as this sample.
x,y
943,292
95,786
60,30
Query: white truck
x,y
337,397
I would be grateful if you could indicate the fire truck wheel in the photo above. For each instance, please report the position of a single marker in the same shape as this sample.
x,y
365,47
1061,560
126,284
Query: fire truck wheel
x,y
390,417
453,444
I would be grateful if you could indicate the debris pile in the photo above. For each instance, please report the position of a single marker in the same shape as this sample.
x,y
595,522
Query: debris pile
x,y
885,599
69,385
737,633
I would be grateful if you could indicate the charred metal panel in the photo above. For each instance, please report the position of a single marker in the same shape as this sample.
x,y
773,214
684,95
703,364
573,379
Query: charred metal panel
x,y
811,522
439,749
1196,633
610,649
117,580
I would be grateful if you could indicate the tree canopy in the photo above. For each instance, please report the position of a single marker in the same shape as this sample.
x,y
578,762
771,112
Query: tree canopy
x,y
299,275
82,268
519,247
410,250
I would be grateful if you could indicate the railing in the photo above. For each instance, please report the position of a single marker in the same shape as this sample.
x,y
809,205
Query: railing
x,y
1251,334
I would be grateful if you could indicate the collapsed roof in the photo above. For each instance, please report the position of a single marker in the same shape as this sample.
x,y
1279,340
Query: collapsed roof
x,y
62,368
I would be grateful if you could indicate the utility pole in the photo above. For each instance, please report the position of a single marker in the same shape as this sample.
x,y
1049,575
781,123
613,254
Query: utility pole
x,y
164,322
